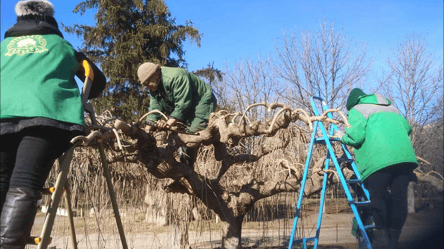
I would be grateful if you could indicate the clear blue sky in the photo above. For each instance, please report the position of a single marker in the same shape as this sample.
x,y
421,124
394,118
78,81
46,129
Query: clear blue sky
x,y
236,29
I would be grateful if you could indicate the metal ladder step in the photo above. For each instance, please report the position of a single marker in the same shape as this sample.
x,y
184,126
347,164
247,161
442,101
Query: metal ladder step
x,y
369,226
360,203
353,181
35,240
341,159
321,140
48,191
307,239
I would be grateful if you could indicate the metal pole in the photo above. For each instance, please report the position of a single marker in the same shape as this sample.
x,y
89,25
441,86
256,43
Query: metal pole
x,y
52,210
107,174
112,196
302,188
70,216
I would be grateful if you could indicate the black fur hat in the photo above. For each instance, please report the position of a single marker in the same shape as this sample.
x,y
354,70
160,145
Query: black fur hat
x,y
35,8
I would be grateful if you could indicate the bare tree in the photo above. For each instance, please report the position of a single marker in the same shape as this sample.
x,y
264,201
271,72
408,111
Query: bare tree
x,y
414,82
322,64
231,175
243,157
251,81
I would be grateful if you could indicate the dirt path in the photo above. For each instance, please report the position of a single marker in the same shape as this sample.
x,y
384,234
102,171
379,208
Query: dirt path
x,y
422,230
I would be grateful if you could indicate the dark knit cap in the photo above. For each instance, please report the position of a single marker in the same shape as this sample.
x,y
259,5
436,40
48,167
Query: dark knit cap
x,y
354,97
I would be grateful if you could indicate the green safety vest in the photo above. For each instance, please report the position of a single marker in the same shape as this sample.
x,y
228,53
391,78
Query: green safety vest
x,y
37,79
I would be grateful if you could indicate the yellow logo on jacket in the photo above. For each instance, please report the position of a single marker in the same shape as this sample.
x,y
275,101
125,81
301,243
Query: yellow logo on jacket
x,y
29,44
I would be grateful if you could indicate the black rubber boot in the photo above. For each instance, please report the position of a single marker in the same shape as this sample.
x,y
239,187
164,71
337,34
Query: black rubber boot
x,y
17,217
381,238
394,238
2,199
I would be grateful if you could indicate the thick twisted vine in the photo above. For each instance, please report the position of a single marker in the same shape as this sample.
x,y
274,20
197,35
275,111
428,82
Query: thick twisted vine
x,y
221,129
141,119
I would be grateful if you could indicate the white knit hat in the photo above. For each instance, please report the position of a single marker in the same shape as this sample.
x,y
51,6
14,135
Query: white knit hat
x,y
34,7
146,70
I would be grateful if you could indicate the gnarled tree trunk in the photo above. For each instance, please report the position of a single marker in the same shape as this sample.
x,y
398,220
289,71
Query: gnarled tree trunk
x,y
231,239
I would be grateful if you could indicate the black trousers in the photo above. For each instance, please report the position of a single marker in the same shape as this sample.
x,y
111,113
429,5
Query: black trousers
x,y
389,209
26,158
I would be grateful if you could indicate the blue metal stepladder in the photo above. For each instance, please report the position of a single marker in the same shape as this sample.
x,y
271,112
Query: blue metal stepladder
x,y
363,200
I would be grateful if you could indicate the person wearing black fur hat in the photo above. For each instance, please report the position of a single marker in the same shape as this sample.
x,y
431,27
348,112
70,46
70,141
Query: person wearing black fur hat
x,y
40,111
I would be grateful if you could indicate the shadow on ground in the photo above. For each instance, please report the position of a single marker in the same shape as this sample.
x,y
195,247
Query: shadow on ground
x,y
422,230
269,243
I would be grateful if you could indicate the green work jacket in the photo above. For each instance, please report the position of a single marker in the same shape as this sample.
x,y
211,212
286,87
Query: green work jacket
x,y
37,79
183,96
379,134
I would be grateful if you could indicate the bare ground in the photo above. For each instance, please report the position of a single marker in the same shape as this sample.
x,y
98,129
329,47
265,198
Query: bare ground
x,y
422,230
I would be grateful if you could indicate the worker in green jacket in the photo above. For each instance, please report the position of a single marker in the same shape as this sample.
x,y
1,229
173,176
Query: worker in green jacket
x,y
180,94
385,159
40,112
